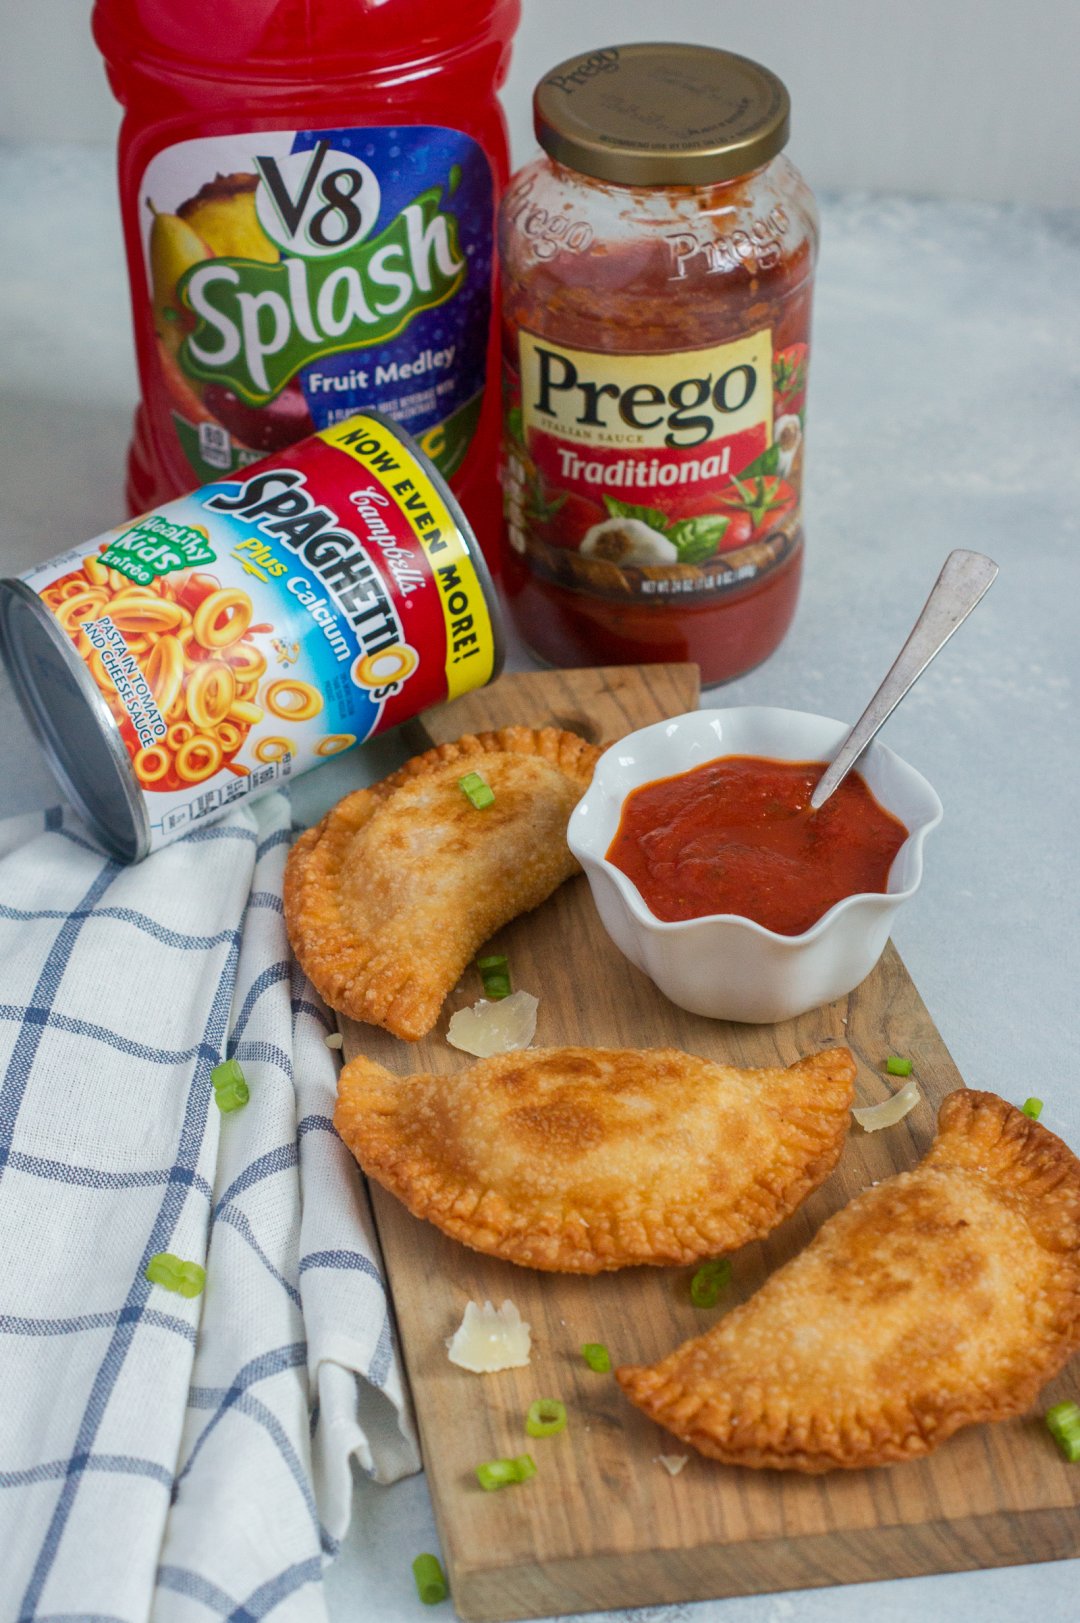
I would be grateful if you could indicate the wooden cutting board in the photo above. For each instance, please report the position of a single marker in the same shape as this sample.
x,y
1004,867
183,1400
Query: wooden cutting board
x,y
603,1524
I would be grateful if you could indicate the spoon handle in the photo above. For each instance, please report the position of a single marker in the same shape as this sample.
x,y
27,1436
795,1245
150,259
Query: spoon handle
x,y
964,579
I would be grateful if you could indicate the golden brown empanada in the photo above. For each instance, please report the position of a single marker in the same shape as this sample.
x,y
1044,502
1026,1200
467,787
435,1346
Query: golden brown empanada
x,y
942,1297
388,898
584,1159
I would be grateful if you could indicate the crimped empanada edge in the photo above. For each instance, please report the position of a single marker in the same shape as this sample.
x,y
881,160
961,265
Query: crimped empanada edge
x,y
599,1241
335,960
1025,1158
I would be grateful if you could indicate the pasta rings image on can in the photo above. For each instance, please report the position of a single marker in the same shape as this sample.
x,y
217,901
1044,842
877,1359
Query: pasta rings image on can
x,y
214,647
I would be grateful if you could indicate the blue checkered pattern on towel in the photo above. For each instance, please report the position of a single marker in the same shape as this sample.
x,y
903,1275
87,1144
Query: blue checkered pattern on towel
x,y
160,1456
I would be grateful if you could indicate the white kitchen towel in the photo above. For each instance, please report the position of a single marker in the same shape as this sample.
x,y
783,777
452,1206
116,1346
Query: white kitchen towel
x,y
165,1457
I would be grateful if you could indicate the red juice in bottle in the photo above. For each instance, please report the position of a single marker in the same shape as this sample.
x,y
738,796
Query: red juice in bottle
x,y
308,195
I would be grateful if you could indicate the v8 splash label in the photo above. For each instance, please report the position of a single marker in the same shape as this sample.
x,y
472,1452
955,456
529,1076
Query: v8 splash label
x,y
297,277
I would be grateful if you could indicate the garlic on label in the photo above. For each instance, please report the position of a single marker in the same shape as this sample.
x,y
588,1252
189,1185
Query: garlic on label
x,y
787,437
628,541
489,1339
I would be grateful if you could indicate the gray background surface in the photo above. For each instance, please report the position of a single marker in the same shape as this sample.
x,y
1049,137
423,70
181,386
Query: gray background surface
x,y
951,98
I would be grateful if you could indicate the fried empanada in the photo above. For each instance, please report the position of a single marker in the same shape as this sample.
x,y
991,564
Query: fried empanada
x,y
389,897
942,1297
584,1159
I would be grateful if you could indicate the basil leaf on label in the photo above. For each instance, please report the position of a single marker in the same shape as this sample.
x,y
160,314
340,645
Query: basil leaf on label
x,y
515,425
698,538
651,516
544,507
767,462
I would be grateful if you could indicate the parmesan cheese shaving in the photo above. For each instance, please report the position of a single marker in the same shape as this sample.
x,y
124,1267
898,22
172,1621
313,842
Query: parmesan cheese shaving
x,y
489,1339
495,1028
873,1117
672,1463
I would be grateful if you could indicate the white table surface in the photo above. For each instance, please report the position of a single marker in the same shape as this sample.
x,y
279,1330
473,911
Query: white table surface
x,y
944,412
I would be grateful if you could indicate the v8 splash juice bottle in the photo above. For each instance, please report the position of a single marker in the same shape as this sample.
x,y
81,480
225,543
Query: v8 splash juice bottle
x,y
308,197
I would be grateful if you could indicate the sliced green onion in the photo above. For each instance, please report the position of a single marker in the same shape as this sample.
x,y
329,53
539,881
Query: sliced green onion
x,y
495,1474
174,1274
495,974
474,788
234,1097
231,1091
498,1473
896,1066
545,1417
596,1356
161,1269
431,1583
190,1279
1063,1422
709,1281
1032,1108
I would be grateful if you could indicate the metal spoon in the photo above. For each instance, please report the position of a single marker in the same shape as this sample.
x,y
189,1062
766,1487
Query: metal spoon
x,y
964,580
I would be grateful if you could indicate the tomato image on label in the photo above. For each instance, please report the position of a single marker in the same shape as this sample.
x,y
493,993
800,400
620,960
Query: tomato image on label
x,y
763,500
562,518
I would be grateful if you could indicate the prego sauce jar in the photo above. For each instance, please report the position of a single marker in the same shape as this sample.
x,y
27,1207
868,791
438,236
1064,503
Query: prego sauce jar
x,y
657,277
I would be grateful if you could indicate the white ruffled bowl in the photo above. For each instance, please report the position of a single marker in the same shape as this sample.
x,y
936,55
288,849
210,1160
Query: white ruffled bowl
x,y
722,965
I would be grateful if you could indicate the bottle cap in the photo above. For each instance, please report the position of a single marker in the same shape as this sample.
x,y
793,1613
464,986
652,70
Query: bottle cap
x,y
661,115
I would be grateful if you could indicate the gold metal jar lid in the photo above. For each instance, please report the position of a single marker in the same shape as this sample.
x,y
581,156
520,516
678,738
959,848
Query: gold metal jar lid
x,y
661,115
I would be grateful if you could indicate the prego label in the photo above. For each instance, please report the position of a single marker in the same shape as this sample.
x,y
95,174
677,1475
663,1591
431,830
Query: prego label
x,y
654,474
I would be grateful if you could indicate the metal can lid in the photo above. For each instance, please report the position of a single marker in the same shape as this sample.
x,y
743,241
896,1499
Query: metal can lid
x,y
76,729
662,115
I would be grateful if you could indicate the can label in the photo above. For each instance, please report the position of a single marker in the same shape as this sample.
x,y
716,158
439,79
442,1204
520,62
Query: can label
x,y
274,618
655,475
299,276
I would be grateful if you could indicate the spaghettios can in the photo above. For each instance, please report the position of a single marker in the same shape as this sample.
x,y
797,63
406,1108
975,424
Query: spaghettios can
x,y
213,647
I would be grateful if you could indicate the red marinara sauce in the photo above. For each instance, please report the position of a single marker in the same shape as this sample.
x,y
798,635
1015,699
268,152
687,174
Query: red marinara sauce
x,y
738,836
657,272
